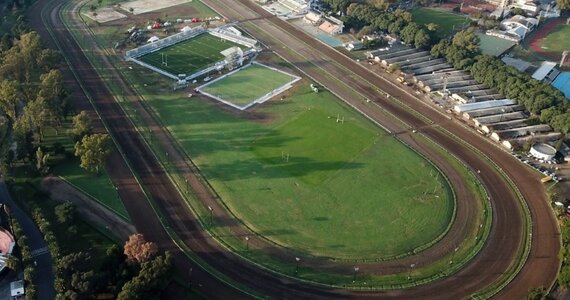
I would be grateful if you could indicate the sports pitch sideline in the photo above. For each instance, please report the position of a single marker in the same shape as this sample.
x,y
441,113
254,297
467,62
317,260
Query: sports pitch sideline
x,y
189,56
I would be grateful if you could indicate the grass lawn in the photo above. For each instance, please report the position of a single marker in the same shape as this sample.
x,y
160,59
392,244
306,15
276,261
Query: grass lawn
x,y
558,40
98,187
248,84
191,55
445,20
348,190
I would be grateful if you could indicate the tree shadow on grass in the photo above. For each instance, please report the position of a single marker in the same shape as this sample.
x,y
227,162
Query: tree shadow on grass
x,y
276,167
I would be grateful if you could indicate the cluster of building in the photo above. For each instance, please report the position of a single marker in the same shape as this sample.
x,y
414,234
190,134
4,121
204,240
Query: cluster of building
x,y
515,28
326,24
486,109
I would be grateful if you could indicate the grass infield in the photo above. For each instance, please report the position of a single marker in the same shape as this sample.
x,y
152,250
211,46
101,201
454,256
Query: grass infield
x,y
445,20
247,84
347,190
189,56
557,40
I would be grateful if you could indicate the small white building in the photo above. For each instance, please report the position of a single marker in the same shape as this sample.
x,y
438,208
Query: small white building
x,y
313,18
543,151
545,69
153,39
354,45
17,289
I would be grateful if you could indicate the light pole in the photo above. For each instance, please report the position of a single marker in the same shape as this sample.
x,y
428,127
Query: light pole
x,y
247,243
297,260
410,273
187,186
211,215
190,277
355,271
453,255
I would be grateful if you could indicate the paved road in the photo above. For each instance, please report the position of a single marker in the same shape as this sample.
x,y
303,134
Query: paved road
x,y
44,279
160,188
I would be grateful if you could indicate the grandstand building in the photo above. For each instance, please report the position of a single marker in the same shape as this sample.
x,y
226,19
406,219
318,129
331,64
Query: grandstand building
x,y
233,57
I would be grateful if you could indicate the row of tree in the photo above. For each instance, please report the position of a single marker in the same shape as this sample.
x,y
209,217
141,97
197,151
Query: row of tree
x,y
370,18
25,254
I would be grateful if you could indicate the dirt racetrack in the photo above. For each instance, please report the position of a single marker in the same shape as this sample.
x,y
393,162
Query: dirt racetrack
x,y
495,258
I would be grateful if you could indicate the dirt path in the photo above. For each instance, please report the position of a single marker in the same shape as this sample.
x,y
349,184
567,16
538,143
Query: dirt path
x,y
88,208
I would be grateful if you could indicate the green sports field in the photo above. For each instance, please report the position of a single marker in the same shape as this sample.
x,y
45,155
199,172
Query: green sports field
x,y
346,190
191,55
247,84
557,40
445,20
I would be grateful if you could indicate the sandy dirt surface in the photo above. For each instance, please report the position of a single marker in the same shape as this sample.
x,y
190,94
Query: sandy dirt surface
x,y
61,191
144,6
105,14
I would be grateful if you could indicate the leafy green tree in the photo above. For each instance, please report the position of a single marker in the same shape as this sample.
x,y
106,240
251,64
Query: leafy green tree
x,y
561,122
536,294
93,150
468,40
81,125
564,276
6,42
421,39
9,98
35,118
563,4
432,27
153,277
439,49
65,213
408,34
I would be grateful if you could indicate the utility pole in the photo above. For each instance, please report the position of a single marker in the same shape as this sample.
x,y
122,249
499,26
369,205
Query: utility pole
x,y
564,54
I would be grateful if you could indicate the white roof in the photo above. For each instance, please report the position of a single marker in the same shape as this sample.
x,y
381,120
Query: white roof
x,y
312,16
544,69
186,28
153,39
482,104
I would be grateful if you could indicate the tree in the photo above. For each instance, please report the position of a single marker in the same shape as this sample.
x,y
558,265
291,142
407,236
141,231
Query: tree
x,y
35,118
518,11
153,277
65,213
93,150
81,125
41,161
137,249
561,122
536,294
432,27
421,39
563,4
9,98
468,40
393,68
13,262
564,276
409,32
